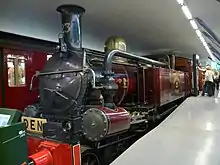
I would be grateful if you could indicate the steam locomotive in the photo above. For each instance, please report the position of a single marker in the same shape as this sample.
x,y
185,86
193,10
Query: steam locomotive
x,y
102,100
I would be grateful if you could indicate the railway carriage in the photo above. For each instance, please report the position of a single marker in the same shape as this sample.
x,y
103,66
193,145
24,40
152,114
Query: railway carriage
x,y
20,58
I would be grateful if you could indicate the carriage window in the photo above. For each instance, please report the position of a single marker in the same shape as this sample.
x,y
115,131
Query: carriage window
x,y
16,70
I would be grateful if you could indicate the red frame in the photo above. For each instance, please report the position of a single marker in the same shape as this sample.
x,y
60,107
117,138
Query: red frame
x,y
61,153
20,97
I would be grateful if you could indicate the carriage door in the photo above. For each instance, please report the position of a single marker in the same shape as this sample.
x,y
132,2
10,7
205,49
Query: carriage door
x,y
15,79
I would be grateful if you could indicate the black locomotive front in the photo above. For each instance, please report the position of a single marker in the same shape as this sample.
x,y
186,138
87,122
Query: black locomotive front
x,y
76,96
62,81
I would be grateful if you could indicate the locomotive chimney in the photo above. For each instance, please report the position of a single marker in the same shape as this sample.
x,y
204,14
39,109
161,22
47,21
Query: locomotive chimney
x,y
71,24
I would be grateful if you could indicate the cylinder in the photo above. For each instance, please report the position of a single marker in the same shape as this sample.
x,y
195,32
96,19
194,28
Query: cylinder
x,y
104,122
119,120
71,24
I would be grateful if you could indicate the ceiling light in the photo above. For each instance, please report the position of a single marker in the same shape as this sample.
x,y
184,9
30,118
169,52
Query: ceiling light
x,y
205,44
181,2
199,34
202,39
207,47
209,126
186,12
211,55
209,51
194,25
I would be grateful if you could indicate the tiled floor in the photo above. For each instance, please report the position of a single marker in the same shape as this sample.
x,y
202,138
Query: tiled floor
x,y
189,136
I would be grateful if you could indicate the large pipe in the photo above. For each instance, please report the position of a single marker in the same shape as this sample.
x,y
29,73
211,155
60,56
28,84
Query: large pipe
x,y
71,24
111,54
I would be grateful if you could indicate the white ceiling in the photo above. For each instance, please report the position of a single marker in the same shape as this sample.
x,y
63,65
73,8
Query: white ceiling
x,y
145,24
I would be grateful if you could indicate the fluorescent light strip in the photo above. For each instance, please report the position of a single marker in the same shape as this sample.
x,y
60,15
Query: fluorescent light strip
x,y
186,12
211,55
181,2
199,34
194,25
205,44
202,39
206,47
188,15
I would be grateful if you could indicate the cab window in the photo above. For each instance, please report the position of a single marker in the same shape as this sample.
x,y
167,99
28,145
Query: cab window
x,y
16,70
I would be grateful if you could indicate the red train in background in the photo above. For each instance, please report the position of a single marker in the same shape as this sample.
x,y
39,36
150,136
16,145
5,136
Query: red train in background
x,y
20,58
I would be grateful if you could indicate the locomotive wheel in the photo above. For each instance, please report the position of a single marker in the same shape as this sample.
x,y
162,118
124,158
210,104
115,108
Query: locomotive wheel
x,y
90,158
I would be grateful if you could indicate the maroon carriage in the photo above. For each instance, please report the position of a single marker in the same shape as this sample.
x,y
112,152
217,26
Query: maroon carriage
x,y
20,58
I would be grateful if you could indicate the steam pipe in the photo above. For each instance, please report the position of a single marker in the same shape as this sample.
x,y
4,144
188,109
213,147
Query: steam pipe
x,y
93,79
169,63
84,58
111,54
173,61
32,79
71,24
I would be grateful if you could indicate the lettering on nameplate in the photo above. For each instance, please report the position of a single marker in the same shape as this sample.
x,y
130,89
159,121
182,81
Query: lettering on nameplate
x,y
34,125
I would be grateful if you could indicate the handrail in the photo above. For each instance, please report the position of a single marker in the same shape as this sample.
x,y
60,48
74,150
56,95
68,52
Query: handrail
x,y
111,54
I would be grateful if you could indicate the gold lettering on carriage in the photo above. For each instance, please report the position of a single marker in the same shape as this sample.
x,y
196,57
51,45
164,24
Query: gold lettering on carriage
x,y
122,81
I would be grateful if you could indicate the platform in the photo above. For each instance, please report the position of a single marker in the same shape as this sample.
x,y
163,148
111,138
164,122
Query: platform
x,y
189,136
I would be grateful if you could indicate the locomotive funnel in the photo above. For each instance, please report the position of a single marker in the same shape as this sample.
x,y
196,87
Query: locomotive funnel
x,y
71,24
